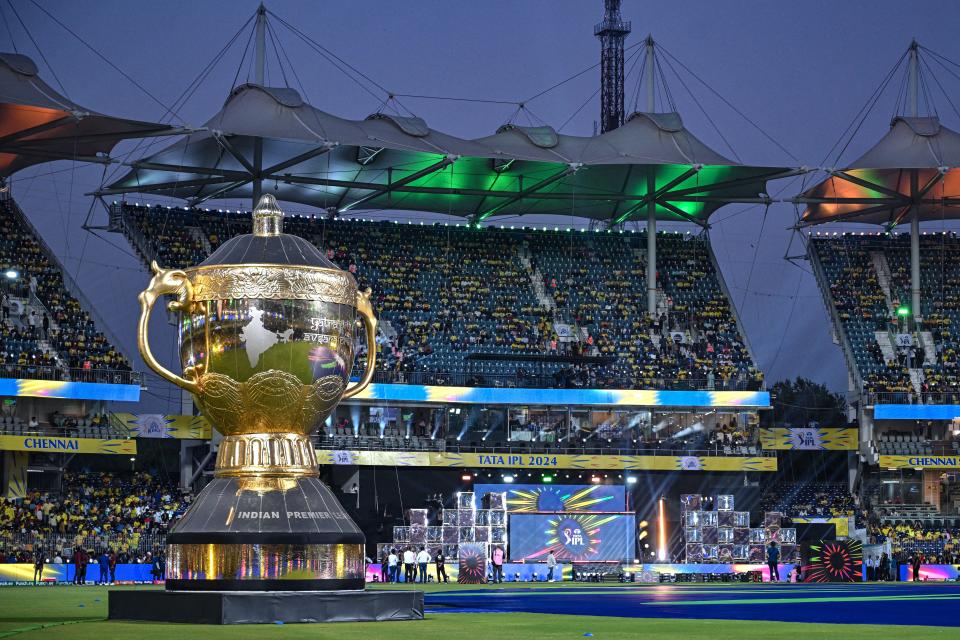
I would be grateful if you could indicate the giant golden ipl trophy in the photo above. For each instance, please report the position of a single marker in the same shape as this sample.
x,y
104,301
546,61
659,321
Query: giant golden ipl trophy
x,y
266,334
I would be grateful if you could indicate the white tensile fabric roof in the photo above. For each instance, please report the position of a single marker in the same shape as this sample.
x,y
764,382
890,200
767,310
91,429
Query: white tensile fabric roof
x,y
916,164
37,124
390,162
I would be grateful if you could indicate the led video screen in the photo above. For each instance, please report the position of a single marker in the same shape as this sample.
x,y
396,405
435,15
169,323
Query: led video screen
x,y
581,537
557,497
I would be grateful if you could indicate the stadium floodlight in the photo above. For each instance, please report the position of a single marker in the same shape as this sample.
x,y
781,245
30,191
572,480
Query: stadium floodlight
x,y
466,477
547,479
508,479
631,479
595,479
903,311
11,274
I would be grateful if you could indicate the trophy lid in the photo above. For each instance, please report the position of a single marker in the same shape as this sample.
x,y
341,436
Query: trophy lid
x,y
268,244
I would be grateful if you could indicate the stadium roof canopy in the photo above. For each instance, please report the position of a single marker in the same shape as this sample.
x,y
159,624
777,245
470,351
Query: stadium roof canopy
x,y
916,164
267,139
37,124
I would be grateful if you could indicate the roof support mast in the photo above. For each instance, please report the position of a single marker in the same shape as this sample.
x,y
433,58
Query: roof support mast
x,y
260,56
651,188
913,93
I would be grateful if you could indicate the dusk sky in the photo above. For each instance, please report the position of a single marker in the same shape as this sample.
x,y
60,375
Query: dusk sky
x,y
800,71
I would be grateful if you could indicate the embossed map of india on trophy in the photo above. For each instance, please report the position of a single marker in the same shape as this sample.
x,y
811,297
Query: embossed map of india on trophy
x,y
267,342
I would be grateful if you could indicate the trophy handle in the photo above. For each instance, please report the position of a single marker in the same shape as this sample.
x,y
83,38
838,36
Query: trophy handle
x,y
164,282
370,324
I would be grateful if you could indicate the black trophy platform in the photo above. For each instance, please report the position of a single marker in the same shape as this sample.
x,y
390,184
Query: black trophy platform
x,y
265,607
265,550
265,534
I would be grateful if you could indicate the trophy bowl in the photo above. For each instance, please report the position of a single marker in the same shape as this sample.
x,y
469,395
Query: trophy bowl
x,y
266,331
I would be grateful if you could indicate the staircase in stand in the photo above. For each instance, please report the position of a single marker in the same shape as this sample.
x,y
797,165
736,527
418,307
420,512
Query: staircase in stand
x,y
916,380
544,299
886,345
929,348
884,276
202,238
32,304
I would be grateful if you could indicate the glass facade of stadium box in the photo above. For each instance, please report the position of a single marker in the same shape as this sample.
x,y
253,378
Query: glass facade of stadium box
x,y
910,430
917,496
916,450
528,426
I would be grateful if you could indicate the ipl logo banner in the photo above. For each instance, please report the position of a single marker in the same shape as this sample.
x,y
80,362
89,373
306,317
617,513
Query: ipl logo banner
x,y
809,438
573,537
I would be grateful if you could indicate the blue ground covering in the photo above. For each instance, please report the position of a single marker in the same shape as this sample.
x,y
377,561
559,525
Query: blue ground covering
x,y
900,603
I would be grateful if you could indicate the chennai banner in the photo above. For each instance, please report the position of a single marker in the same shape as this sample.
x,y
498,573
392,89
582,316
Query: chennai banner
x,y
159,425
15,474
809,439
40,444
547,461
920,462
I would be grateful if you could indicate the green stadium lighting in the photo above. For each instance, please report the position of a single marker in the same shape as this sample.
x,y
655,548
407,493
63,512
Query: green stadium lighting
x,y
548,479
903,312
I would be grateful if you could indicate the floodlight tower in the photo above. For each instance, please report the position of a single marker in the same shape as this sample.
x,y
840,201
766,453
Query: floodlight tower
x,y
611,32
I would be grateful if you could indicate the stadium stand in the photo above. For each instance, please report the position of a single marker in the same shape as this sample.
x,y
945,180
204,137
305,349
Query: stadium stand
x,y
864,278
935,543
127,513
825,499
60,425
46,333
487,308
904,444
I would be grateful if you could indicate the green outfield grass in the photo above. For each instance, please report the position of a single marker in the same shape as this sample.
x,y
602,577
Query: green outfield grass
x,y
75,613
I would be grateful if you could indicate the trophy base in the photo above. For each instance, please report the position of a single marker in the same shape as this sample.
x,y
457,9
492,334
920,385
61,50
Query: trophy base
x,y
264,607
265,534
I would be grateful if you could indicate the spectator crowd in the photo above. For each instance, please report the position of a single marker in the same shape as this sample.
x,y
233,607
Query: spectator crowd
x,y
125,513
34,280
448,294
869,281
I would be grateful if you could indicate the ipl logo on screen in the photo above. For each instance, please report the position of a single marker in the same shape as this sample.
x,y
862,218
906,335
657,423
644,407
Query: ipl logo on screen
x,y
572,537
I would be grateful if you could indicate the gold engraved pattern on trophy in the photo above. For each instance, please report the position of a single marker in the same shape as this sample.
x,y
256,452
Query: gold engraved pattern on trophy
x,y
265,484
249,455
269,402
272,283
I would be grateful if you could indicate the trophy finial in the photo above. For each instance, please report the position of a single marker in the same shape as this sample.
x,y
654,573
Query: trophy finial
x,y
267,217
